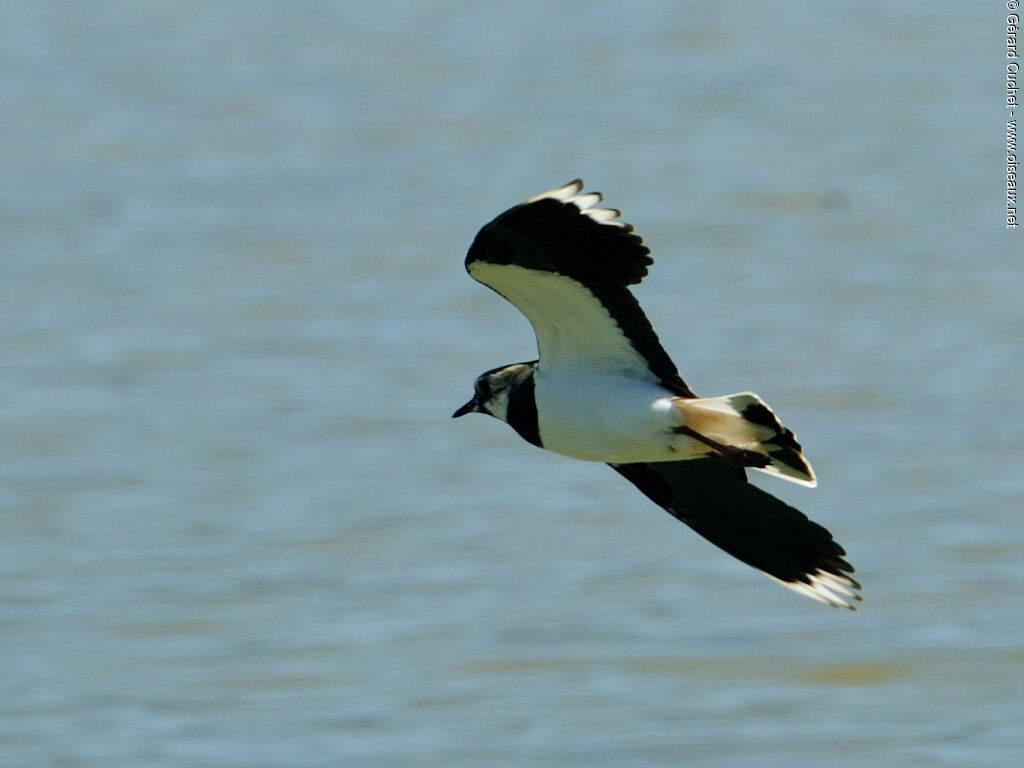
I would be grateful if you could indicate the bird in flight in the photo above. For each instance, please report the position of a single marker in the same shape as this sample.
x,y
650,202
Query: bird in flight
x,y
604,389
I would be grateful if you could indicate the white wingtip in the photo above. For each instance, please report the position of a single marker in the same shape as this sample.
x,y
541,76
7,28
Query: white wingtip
x,y
583,202
571,193
564,193
828,588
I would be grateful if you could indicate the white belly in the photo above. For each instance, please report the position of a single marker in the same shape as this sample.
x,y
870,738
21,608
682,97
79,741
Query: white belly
x,y
611,419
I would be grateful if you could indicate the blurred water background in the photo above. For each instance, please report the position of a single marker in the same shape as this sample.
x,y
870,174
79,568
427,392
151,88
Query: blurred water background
x,y
237,524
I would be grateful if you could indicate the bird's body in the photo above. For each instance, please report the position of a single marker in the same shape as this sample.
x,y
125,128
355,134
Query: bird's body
x,y
604,390
607,417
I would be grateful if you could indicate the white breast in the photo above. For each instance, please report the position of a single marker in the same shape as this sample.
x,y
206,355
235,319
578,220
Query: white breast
x,y
608,418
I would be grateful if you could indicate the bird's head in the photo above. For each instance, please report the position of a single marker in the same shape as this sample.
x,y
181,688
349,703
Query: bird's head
x,y
492,388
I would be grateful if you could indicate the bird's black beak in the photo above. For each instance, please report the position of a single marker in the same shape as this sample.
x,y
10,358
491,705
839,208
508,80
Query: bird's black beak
x,y
470,407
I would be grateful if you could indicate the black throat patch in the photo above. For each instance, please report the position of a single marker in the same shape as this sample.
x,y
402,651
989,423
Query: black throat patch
x,y
522,410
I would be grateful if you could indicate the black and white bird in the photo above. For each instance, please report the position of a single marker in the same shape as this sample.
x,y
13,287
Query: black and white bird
x,y
603,389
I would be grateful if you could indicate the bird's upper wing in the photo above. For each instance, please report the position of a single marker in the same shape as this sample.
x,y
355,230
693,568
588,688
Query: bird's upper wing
x,y
716,500
566,265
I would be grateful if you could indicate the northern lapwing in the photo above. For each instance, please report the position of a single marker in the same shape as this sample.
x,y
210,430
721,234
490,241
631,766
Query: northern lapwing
x,y
603,389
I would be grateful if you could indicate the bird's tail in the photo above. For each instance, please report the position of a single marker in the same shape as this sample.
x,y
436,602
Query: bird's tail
x,y
745,431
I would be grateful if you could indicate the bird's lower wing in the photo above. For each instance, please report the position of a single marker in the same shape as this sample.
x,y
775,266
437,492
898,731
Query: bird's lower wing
x,y
716,500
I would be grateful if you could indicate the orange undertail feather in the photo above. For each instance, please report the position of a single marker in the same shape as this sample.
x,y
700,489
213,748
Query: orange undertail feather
x,y
742,429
